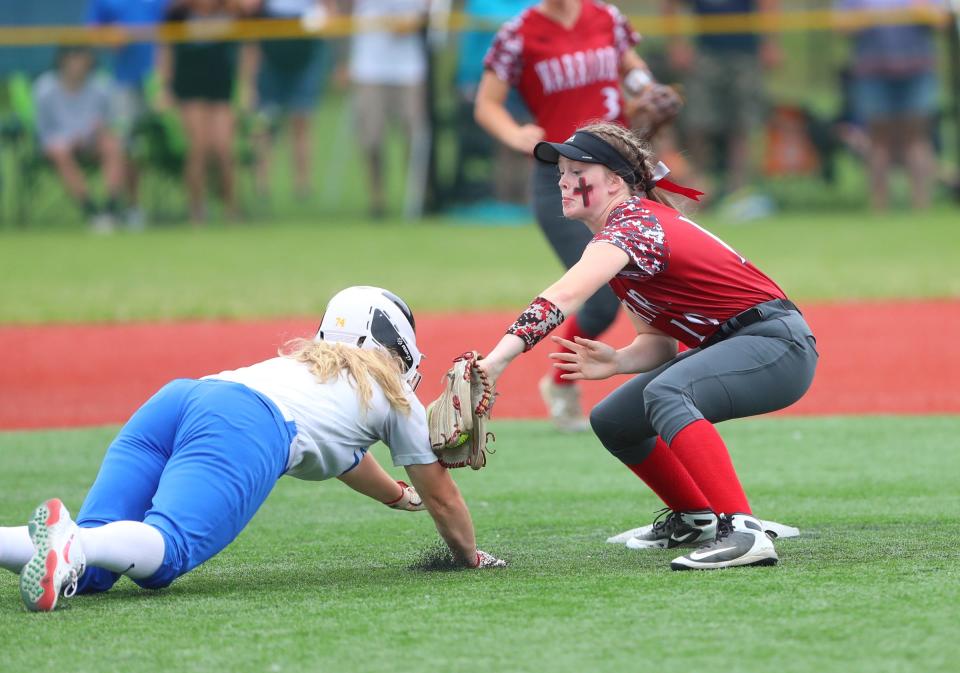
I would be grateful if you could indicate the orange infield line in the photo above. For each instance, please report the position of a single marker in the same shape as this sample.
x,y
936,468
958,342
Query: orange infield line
x,y
876,358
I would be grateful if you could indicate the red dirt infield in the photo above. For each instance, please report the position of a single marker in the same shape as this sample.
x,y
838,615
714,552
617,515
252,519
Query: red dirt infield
x,y
876,358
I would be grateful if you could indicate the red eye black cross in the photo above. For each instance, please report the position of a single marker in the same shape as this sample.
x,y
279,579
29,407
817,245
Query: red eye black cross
x,y
584,191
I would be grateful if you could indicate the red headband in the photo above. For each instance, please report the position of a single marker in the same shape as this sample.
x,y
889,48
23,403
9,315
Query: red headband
x,y
659,179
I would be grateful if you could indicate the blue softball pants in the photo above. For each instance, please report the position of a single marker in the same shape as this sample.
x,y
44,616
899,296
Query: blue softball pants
x,y
196,461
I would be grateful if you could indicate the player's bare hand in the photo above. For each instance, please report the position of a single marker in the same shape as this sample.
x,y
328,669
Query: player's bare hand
x,y
589,359
526,137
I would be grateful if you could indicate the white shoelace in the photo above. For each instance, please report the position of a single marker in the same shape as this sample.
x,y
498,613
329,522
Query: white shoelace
x,y
71,588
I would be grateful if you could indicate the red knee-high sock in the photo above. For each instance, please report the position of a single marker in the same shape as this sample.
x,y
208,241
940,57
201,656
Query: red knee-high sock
x,y
570,328
668,478
702,451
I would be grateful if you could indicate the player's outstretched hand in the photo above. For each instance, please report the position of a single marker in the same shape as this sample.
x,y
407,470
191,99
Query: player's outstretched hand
x,y
409,499
587,359
485,560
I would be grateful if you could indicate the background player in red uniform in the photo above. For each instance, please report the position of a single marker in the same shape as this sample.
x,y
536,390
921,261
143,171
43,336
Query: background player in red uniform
x,y
751,350
568,60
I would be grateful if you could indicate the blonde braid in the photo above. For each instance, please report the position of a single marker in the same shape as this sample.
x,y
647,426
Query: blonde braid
x,y
638,153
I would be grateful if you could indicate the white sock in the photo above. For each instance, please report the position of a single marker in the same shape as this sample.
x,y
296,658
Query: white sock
x,y
16,548
130,548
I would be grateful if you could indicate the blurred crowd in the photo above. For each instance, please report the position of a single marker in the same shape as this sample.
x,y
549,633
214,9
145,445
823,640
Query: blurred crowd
x,y
86,115
90,105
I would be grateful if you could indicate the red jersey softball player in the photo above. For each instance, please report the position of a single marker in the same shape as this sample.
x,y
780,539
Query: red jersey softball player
x,y
568,60
751,351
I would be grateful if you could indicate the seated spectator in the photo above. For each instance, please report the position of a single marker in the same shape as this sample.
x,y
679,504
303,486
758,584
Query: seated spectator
x,y
895,90
388,70
290,78
73,125
199,76
132,63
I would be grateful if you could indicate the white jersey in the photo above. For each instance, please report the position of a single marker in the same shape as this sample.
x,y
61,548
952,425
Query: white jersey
x,y
333,429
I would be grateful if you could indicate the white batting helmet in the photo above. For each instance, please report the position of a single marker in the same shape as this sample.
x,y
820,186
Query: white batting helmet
x,y
371,317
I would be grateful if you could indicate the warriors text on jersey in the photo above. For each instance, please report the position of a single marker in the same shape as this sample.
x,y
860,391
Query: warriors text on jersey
x,y
680,279
566,77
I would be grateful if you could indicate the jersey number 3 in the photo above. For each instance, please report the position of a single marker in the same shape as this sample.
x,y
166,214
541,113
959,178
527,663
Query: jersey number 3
x,y
611,101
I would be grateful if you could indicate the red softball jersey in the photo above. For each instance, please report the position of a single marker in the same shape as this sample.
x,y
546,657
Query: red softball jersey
x,y
681,279
565,76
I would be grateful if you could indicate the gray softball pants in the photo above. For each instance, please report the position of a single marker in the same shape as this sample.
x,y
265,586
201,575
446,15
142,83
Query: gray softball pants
x,y
568,238
760,368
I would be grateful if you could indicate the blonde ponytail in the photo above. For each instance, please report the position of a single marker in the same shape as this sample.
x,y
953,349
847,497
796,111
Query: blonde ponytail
x,y
327,360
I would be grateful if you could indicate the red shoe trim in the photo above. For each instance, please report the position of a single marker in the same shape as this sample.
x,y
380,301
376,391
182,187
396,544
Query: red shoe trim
x,y
53,511
49,597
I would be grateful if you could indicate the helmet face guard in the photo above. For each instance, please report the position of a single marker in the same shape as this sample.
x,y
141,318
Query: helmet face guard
x,y
383,331
371,317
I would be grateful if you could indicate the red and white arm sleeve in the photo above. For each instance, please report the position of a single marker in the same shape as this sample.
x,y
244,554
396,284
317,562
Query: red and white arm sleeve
x,y
536,322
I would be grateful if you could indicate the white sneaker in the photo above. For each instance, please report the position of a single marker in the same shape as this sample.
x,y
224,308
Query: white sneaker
x,y
58,561
774,530
563,403
740,541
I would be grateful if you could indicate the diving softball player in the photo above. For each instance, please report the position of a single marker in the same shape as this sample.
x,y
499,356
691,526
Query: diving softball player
x,y
192,466
751,350
568,60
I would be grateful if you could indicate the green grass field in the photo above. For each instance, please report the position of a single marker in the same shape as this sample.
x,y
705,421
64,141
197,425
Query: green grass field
x,y
292,268
322,578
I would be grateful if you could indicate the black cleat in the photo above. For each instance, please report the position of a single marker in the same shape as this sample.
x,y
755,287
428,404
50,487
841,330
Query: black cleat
x,y
740,541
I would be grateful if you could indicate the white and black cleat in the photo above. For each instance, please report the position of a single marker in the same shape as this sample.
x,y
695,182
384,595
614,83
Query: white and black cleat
x,y
774,530
676,529
740,541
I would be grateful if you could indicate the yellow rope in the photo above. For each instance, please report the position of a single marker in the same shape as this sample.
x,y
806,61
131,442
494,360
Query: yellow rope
x,y
230,30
